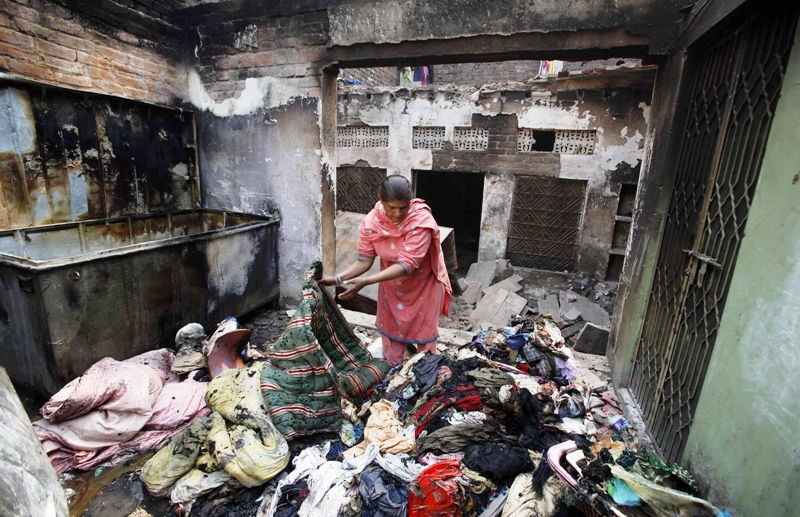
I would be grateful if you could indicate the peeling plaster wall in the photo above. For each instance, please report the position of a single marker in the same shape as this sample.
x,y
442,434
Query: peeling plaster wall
x,y
618,115
256,83
251,163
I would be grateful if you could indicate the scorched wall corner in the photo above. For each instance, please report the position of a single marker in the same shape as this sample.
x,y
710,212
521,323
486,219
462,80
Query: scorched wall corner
x,y
260,152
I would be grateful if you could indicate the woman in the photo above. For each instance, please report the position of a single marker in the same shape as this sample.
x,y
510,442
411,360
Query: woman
x,y
414,288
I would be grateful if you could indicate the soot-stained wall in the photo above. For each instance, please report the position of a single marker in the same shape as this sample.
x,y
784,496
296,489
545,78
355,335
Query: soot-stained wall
x,y
618,113
252,164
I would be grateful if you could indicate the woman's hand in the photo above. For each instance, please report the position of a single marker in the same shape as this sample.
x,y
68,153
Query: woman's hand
x,y
327,280
354,286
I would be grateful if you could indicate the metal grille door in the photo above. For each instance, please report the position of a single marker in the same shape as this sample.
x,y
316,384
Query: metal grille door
x,y
730,112
357,188
545,223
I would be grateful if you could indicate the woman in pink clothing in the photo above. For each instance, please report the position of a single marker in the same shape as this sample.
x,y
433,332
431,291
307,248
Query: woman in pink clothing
x,y
414,289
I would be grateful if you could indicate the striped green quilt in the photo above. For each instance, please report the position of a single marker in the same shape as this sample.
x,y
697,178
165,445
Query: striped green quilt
x,y
316,361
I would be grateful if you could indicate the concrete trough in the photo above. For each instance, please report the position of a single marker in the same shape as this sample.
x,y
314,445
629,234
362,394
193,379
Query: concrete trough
x,y
73,293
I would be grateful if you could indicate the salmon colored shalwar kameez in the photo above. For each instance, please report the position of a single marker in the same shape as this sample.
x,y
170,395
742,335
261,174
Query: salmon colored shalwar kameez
x,y
408,307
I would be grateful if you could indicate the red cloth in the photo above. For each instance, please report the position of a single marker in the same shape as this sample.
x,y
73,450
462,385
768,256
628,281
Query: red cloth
x,y
465,398
439,490
408,307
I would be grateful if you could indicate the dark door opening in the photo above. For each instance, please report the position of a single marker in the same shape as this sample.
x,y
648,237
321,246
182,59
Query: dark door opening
x,y
455,199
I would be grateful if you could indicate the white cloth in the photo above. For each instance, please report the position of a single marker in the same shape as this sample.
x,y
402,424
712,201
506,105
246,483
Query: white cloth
x,y
309,459
196,483
400,466
326,483
467,417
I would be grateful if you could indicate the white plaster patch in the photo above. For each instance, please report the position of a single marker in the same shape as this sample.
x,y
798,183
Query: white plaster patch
x,y
630,152
259,92
555,117
228,265
645,113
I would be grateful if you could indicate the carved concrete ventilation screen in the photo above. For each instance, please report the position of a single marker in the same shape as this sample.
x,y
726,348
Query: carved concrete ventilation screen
x,y
575,141
470,139
545,223
429,138
362,136
357,188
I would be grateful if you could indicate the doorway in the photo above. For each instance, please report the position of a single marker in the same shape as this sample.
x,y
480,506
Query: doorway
x,y
456,200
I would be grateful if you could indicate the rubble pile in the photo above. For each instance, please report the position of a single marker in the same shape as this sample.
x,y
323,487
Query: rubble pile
x,y
493,292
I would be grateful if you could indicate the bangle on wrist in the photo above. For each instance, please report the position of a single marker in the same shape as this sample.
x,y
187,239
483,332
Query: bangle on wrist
x,y
337,279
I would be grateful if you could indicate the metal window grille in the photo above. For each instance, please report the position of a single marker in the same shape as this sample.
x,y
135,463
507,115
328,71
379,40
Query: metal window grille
x,y
545,223
357,188
362,136
729,114
470,139
575,141
428,138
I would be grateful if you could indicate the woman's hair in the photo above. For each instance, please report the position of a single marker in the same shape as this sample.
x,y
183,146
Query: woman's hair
x,y
395,188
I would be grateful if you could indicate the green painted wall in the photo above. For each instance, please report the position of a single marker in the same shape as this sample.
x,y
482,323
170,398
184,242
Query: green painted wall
x,y
744,444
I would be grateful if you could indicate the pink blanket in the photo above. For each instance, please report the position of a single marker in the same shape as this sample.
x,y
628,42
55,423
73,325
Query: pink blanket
x,y
117,407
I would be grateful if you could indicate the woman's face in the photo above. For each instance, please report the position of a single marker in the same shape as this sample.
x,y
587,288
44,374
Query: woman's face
x,y
396,210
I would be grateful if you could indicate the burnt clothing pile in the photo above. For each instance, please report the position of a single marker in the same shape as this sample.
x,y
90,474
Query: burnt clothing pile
x,y
486,432
502,427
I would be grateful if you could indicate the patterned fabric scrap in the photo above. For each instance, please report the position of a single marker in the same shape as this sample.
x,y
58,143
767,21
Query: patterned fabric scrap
x,y
315,362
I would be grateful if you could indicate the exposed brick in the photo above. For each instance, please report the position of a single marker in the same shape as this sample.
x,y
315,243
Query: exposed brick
x,y
31,70
133,71
244,60
69,67
312,54
109,87
225,86
56,50
18,10
101,73
3,63
262,59
136,93
131,82
15,38
113,56
15,52
147,64
91,59
72,42
50,8
73,80
127,37
63,25
5,21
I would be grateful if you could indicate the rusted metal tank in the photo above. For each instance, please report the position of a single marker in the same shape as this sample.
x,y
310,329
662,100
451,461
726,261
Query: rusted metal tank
x,y
73,293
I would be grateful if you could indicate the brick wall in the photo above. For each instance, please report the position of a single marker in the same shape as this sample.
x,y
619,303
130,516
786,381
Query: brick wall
x,y
42,41
288,47
383,76
501,156
478,74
